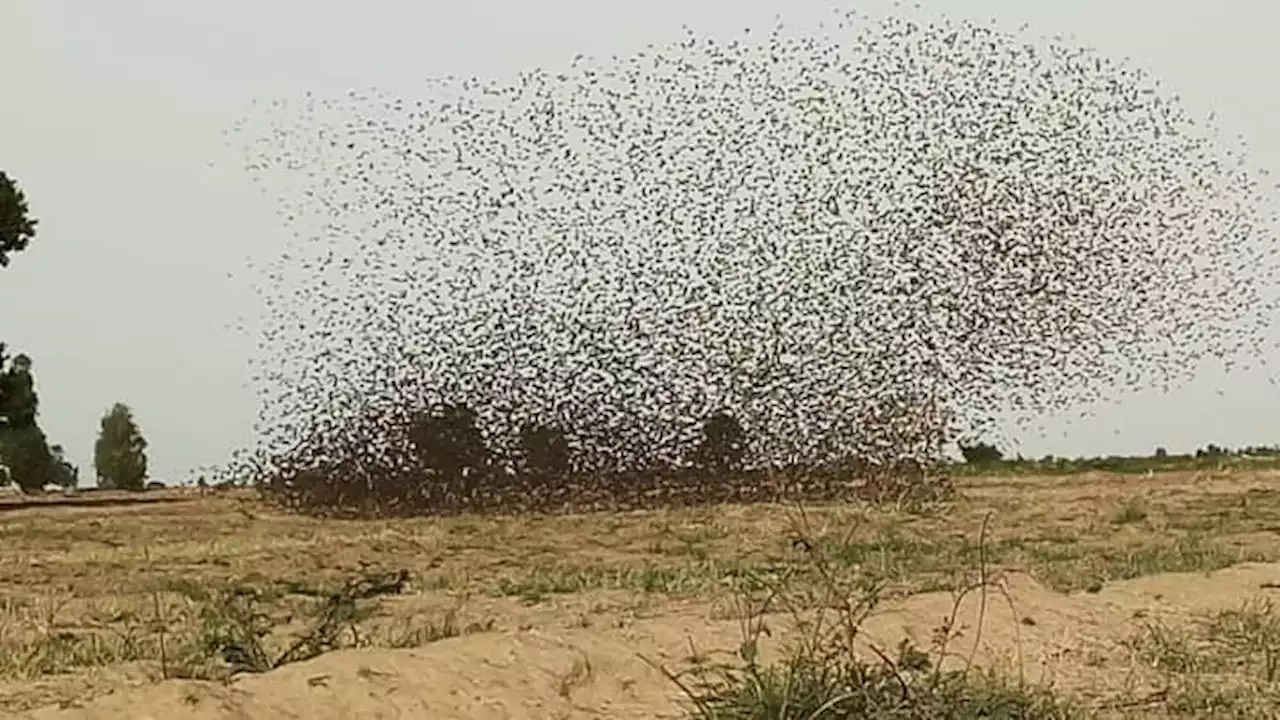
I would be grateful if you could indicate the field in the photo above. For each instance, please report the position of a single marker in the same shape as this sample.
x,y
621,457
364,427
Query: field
x,y
1126,595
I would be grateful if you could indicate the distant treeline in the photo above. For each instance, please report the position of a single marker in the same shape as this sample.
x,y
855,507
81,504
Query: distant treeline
x,y
984,458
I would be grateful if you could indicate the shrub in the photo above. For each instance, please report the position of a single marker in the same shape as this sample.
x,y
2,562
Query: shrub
x,y
448,442
826,674
546,450
981,454
723,443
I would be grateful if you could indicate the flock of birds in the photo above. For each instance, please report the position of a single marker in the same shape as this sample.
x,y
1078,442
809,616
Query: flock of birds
x,y
860,243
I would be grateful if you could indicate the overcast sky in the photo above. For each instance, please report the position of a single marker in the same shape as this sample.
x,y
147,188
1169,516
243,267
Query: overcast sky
x,y
112,118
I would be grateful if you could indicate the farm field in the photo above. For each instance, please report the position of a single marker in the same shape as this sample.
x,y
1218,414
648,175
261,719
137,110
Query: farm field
x,y
1133,595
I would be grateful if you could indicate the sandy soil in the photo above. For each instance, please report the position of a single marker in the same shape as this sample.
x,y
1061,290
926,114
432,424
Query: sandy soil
x,y
573,617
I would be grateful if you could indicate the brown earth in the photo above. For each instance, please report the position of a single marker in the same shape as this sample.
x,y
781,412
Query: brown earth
x,y
572,617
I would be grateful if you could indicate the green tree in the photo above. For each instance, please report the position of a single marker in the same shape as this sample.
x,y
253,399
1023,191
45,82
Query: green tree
x,y
981,454
26,454
17,227
22,443
723,443
546,449
120,453
448,441
66,474
19,403
1212,451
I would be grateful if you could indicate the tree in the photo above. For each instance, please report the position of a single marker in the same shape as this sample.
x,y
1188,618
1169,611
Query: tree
x,y
17,227
723,443
546,450
66,474
26,454
981,454
19,403
119,455
22,443
1212,451
448,441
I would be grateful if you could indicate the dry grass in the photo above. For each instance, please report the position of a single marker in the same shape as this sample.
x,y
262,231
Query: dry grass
x,y
158,590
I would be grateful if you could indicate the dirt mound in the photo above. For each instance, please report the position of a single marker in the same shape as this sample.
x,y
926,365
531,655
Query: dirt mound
x,y
1074,641
502,675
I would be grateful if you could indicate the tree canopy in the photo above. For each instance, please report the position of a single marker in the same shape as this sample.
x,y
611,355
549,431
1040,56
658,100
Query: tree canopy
x,y
23,447
120,453
17,227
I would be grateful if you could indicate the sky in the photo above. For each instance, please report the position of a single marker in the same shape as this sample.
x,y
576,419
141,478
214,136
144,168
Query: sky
x,y
113,120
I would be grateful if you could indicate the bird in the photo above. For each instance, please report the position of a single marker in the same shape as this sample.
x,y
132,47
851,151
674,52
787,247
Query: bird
x,y
860,244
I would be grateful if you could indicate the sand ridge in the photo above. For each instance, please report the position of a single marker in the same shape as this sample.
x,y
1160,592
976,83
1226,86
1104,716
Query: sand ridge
x,y
1071,640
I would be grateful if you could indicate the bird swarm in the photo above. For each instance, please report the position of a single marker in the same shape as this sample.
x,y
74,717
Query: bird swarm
x,y
853,242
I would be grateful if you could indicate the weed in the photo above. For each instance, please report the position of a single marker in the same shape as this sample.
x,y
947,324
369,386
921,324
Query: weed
x,y
1226,664
538,584
236,622
832,672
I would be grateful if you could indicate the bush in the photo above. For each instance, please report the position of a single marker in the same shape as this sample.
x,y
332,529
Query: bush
x,y
981,454
401,461
448,442
546,450
834,673
723,443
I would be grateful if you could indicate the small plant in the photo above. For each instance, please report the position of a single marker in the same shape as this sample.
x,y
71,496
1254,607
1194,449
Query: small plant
x,y
236,623
833,673
1250,636
1226,664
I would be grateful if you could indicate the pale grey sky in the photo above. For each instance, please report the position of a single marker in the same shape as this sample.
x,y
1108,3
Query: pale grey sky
x,y
112,114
